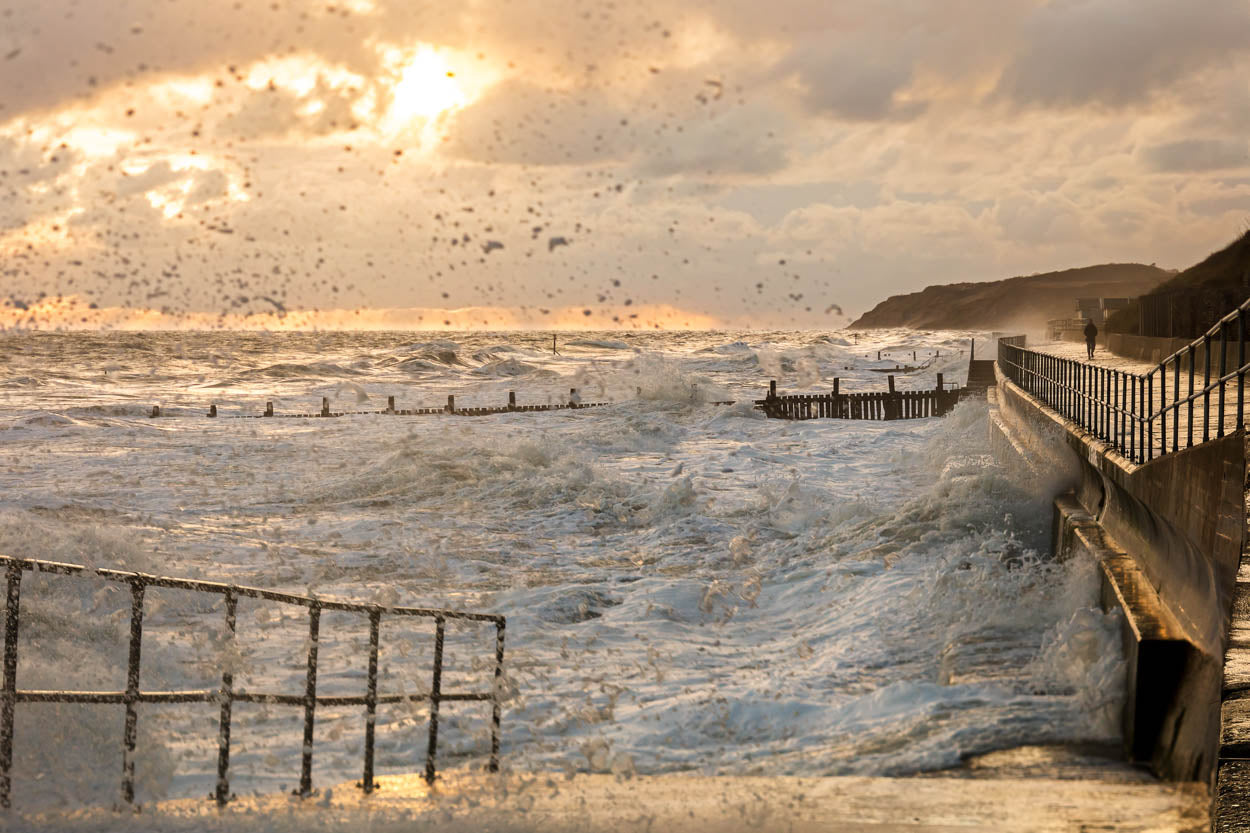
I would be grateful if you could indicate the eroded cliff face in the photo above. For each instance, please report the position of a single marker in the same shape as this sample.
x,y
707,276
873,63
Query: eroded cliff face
x,y
1024,303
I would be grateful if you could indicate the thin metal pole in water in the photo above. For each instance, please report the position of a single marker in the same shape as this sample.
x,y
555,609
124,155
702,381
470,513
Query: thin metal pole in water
x,y
436,694
9,704
227,704
371,699
496,705
310,699
132,691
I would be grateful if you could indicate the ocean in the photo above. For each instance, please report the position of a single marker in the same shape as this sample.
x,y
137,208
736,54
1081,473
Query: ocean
x,y
689,586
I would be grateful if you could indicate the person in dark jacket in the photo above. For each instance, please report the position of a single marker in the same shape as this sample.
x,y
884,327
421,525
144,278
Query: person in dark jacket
x,y
1091,333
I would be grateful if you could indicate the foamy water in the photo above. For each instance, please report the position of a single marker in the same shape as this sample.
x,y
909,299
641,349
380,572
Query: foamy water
x,y
688,586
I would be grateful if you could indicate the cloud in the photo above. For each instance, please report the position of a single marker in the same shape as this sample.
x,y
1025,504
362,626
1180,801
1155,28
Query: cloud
x,y
745,140
1119,52
518,122
1189,155
853,79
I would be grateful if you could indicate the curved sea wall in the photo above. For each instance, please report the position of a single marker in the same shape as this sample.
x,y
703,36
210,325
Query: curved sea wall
x,y
1168,536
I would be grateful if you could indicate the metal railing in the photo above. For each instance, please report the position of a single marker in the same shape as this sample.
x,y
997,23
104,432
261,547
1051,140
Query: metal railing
x,y
1181,402
227,695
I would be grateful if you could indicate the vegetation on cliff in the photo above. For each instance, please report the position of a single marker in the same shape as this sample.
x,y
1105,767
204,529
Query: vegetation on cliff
x,y
1023,303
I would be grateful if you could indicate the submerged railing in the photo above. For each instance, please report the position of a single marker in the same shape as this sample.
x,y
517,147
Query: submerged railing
x,y
1144,416
227,695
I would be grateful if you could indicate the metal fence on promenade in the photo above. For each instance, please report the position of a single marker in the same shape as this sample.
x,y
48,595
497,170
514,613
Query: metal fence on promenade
x,y
1181,402
227,695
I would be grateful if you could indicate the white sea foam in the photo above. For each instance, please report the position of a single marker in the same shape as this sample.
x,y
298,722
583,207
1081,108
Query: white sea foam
x,y
689,586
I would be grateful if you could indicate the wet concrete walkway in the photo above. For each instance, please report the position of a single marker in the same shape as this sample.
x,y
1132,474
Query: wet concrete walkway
x,y
1116,802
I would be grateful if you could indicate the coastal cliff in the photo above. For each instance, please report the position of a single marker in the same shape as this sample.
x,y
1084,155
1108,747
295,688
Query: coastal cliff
x,y
1024,303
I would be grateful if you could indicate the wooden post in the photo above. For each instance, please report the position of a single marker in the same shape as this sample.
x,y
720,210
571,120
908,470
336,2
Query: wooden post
x,y
325,406
913,355
268,409
390,404
212,411
972,350
772,389
939,384
890,380
511,400
836,383
572,397
878,355
156,411
451,404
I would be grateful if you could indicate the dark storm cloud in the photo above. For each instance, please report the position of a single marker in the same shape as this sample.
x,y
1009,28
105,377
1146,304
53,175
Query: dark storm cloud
x,y
1118,52
852,80
1191,155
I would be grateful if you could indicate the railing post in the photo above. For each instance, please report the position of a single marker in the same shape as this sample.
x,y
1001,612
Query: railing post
x,y
1241,367
222,794
1150,409
1206,388
1132,427
130,735
371,700
1189,440
436,693
268,409
451,404
1163,410
496,703
310,700
1223,372
1176,400
8,705
325,406
390,404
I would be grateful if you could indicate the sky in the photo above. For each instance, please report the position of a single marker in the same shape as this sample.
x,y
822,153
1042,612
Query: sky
x,y
619,163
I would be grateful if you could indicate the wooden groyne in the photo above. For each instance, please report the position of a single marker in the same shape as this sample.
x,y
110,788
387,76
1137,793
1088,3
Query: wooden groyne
x,y
450,408
881,405
889,404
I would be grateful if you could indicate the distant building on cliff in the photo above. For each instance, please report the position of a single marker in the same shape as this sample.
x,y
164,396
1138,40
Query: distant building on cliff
x,y
1087,309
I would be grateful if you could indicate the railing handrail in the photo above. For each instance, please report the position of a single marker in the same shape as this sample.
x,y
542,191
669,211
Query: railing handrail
x,y
1119,407
226,695
242,590
1227,319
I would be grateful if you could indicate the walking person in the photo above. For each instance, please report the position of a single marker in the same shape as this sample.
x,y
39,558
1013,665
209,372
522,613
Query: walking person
x,y
1091,333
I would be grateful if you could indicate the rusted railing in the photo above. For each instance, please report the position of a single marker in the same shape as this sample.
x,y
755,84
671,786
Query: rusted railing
x,y
1141,415
227,695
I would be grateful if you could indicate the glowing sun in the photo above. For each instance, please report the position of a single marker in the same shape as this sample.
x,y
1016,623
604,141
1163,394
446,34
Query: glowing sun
x,y
426,86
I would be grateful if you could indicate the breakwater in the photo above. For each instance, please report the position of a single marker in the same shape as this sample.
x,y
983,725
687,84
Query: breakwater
x,y
1161,509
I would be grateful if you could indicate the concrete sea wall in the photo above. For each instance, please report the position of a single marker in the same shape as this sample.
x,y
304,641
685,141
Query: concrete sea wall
x,y
1168,536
